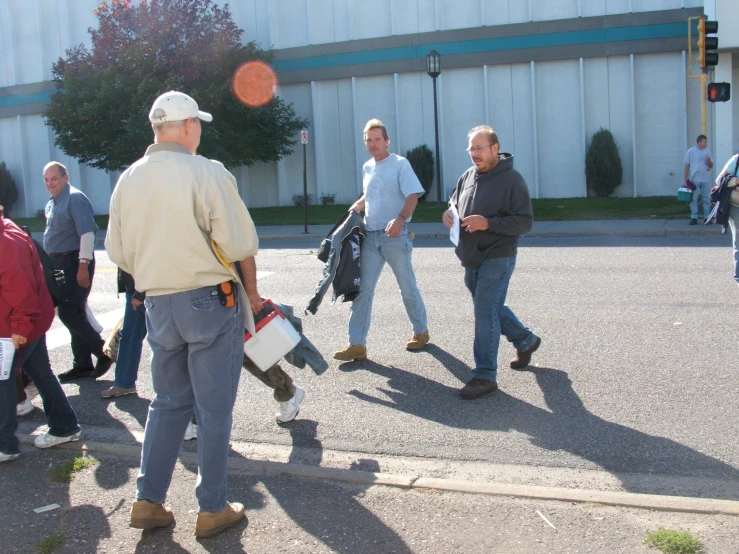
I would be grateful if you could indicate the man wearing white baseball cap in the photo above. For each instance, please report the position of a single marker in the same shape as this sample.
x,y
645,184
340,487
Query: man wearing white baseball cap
x,y
169,214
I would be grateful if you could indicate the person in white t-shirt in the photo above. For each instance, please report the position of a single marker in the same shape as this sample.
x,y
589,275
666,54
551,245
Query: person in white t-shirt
x,y
391,191
698,164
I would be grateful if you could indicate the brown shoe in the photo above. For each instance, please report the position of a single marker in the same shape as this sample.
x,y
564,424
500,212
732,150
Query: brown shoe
x,y
523,359
147,515
114,392
209,524
477,388
418,341
351,353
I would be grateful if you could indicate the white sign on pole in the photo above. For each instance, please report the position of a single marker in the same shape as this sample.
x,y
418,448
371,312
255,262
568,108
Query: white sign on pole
x,y
304,136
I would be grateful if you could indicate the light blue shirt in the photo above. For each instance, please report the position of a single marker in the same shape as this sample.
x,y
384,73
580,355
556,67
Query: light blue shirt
x,y
68,216
386,186
698,172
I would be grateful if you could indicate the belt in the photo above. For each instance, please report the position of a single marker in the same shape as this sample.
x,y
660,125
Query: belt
x,y
56,254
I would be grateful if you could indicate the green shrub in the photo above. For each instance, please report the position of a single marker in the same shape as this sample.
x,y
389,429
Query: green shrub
x,y
603,169
298,199
328,199
421,159
8,190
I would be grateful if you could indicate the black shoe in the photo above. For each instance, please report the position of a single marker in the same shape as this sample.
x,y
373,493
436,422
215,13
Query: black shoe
x,y
523,359
693,222
477,388
102,367
76,373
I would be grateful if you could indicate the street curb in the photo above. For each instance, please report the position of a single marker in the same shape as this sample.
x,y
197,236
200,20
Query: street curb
x,y
685,504
540,234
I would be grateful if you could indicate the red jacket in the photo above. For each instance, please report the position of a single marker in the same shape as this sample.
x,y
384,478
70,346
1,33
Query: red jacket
x,y
26,308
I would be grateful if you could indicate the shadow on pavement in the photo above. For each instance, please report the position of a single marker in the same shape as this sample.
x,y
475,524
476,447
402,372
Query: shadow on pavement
x,y
568,427
327,510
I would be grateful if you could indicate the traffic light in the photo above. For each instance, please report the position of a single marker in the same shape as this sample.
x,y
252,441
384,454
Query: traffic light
x,y
719,92
706,43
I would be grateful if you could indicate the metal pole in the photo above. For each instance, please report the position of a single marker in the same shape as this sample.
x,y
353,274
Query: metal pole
x,y
305,189
704,100
438,154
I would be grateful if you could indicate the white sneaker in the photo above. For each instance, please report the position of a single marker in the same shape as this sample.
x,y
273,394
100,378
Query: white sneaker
x,y
25,407
289,409
7,457
31,391
47,440
192,431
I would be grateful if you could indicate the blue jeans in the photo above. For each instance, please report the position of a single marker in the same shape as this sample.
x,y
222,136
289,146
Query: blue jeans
x,y
60,416
378,248
733,221
703,190
489,286
198,347
129,348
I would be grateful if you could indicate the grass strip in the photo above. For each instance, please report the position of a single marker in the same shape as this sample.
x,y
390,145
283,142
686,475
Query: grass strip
x,y
669,541
545,209
50,543
67,472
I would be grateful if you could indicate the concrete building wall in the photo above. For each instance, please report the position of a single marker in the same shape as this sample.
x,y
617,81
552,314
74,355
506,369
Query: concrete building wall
x,y
546,74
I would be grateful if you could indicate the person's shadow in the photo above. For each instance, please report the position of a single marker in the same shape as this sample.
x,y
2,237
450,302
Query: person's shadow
x,y
328,510
626,453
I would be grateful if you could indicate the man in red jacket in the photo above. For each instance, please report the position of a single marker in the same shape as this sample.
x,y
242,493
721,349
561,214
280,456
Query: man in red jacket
x,y
26,313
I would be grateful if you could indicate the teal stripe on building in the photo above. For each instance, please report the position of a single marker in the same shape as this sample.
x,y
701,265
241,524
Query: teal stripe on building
x,y
547,40
21,99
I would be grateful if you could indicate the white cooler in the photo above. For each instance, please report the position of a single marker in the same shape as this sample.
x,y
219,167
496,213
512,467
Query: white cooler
x,y
275,336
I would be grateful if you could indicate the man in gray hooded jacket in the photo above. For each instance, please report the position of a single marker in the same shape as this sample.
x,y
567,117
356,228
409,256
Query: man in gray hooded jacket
x,y
494,209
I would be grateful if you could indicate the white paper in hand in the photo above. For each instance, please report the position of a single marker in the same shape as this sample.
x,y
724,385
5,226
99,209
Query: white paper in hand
x,y
7,351
454,231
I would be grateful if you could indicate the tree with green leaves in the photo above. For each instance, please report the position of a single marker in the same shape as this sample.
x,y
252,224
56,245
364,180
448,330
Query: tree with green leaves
x,y
144,48
421,159
603,169
8,190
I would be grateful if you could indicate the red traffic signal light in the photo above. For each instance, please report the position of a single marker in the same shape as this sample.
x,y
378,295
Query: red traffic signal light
x,y
719,92
706,43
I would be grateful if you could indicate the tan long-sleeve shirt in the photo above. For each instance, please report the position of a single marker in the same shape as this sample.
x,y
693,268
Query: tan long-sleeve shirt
x,y
164,212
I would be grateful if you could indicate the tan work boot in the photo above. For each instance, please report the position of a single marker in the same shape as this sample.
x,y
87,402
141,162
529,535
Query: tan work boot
x,y
147,515
418,341
351,353
209,524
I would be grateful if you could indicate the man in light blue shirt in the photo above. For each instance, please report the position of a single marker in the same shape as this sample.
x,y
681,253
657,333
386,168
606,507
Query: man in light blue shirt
x,y
69,239
391,191
698,164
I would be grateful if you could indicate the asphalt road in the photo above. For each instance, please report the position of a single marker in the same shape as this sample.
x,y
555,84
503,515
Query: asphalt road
x,y
634,387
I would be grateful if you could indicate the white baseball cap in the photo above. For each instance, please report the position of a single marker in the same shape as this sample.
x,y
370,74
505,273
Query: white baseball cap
x,y
176,106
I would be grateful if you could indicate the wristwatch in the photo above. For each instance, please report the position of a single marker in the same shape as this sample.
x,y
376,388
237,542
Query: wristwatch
x,y
84,261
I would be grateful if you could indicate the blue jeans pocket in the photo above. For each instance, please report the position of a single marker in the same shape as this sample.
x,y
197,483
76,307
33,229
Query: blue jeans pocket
x,y
207,303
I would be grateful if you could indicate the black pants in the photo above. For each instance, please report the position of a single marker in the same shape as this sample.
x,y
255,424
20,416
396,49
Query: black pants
x,y
86,341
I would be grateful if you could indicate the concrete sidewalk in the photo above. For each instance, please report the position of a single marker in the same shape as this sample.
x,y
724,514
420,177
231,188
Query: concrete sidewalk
x,y
294,508
548,229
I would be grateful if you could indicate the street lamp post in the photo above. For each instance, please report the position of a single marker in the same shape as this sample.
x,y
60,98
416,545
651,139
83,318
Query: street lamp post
x,y
433,68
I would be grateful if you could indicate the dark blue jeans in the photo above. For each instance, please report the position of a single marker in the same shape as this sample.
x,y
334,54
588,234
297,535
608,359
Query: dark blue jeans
x,y
129,348
60,416
489,286
85,340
